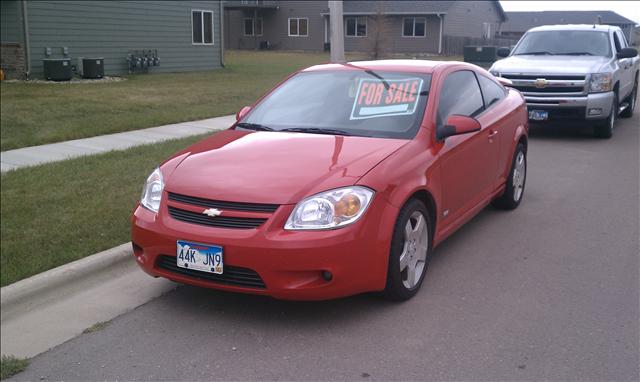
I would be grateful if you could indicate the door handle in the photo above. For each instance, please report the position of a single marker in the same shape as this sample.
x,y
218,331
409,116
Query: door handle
x,y
492,134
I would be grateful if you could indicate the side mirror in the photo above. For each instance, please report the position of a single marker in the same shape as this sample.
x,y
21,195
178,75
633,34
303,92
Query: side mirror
x,y
240,114
627,53
503,52
458,125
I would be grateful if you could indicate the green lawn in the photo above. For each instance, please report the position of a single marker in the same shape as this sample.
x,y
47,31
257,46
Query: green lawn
x,y
38,113
10,365
60,212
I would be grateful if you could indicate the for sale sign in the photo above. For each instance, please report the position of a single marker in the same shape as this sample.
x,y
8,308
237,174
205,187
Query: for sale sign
x,y
383,98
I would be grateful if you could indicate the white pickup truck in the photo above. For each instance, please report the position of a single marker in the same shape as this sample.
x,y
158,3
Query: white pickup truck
x,y
574,72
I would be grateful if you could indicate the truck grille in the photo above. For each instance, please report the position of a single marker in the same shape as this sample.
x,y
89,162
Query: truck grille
x,y
236,276
554,85
234,214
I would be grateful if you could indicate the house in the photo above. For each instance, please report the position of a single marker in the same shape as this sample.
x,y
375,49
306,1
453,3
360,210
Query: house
x,y
397,26
519,22
186,34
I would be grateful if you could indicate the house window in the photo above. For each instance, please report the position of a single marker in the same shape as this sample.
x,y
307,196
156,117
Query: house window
x,y
356,26
252,27
414,27
202,27
298,27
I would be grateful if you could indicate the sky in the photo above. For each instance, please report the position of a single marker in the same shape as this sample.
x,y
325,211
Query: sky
x,y
628,9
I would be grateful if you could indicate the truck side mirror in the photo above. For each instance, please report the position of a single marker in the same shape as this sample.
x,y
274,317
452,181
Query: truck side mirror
x,y
242,112
503,52
627,53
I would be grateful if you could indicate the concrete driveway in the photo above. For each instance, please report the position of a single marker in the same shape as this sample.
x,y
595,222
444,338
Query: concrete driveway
x,y
549,291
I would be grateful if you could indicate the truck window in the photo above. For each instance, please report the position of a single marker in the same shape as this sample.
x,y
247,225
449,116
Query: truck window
x,y
460,96
616,42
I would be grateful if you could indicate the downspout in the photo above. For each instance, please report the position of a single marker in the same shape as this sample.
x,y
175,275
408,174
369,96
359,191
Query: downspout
x,y
27,46
221,33
440,41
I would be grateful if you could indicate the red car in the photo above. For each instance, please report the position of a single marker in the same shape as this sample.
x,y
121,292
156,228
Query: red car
x,y
341,180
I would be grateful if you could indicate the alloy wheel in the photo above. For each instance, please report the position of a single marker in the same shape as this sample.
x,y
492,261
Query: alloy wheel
x,y
414,253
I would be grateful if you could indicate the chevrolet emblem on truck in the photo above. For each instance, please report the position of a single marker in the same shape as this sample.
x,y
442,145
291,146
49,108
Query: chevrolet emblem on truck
x,y
541,83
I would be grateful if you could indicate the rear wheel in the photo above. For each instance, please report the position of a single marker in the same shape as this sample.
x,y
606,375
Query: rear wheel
x,y
604,129
514,190
631,101
410,252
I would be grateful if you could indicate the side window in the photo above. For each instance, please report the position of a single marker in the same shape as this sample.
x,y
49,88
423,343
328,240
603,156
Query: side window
x,y
616,42
460,95
491,92
623,40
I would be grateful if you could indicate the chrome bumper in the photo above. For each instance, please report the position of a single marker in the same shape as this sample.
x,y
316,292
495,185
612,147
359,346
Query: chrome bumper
x,y
596,105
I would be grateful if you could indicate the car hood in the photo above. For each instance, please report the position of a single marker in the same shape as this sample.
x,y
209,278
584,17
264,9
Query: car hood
x,y
272,167
550,65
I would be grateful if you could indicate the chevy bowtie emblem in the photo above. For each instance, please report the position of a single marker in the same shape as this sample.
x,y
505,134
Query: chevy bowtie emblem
x,y
541,83
213,212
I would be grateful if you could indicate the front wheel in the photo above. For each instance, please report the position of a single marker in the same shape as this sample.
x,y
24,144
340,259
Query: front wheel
x,y
631,101
514,190
604,129
410,252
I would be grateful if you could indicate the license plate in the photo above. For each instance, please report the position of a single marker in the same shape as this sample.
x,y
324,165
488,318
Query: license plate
x,y
200,257
538,115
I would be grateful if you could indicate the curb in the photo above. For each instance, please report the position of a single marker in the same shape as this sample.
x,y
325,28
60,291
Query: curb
x,y
62,275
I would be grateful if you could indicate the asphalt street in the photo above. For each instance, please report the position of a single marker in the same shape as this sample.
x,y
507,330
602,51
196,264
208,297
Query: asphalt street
x,y
548,291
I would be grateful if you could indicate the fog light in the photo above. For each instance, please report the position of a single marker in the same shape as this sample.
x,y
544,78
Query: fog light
x,y
595,111
327,276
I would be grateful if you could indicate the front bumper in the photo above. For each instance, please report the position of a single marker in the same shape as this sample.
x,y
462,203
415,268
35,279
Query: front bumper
x,y
290,263
585,107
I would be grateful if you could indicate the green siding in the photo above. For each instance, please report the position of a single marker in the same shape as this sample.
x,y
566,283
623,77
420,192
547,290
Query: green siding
x,y
10,21
110,29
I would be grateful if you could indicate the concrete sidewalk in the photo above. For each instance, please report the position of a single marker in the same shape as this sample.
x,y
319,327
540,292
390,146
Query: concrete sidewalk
x,y
35,155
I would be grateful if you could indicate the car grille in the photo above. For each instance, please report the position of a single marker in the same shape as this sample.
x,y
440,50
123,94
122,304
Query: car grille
x,y
557,85
218,221
236,276
230,217
252,207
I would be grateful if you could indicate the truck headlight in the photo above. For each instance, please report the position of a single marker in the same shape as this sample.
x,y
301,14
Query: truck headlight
x,y
600,82
152,191
330,209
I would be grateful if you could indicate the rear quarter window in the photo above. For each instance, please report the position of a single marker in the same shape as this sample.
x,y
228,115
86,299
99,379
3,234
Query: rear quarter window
x,y
491,92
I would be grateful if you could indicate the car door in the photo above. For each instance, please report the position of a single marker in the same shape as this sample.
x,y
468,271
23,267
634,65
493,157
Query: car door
x,y
497,119
626,66
468,162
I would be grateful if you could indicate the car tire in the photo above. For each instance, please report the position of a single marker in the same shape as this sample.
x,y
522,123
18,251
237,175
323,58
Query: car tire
x,y
514,190
631,101
410,252
604,129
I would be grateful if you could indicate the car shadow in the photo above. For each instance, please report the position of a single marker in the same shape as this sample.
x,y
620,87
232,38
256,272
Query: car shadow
x,y
561,131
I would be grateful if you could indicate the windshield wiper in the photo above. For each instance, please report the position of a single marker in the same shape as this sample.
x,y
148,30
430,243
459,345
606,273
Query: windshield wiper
x,y
315,130
538,53
578,54
254,126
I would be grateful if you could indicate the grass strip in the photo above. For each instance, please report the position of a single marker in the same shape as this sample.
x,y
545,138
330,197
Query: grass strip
x,y
60,212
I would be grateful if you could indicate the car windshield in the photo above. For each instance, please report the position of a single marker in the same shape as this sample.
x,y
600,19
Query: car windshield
x,y
565,42
345,102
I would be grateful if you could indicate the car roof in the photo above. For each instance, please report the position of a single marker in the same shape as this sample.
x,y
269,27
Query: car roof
x,y
413,66
573,27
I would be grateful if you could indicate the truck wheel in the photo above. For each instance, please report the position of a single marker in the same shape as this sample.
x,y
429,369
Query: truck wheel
x,y
604,129
631,101
410,252
514,190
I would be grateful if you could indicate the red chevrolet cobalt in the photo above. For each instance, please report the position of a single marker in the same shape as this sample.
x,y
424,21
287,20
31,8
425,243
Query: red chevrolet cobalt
x,y
340,180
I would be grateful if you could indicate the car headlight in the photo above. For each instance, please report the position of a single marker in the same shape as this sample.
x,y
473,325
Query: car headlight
x,y
152,191
330,209
600,82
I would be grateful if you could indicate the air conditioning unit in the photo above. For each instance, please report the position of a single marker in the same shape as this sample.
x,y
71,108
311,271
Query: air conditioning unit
x,y
57,69
91,67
